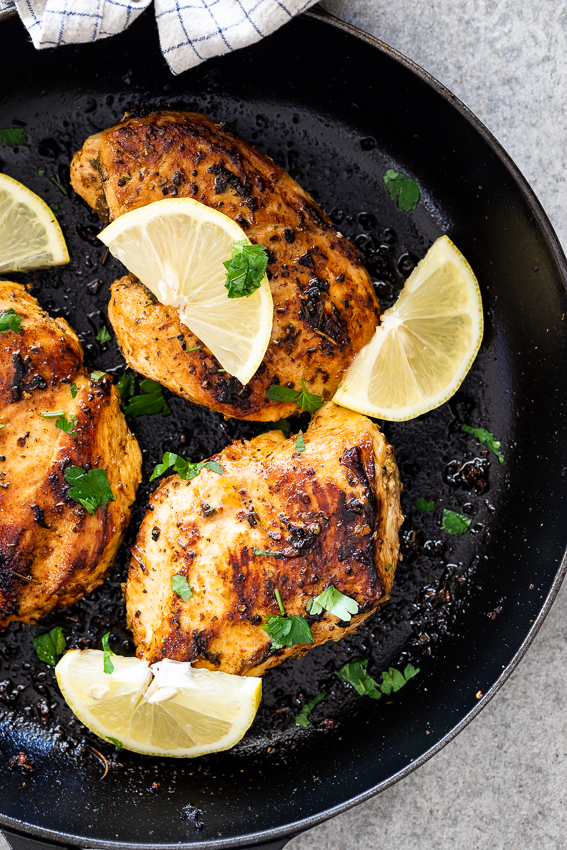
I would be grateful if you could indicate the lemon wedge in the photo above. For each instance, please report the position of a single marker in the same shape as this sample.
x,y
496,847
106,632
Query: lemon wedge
x,y
425,344
177,248
30,236
168,709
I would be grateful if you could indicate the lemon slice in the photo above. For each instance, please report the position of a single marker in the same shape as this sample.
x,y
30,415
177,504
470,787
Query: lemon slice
x,y
168,709
30,236
177,248
424,345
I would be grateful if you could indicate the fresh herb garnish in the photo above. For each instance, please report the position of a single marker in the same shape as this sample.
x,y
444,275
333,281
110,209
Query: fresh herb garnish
x,y
67,425
354,673
335,602
13,136
152,401
55,208
300,443
41,172
90,489
267,552
280,424
284,630
73,391
103,335
184,468
49,645
117,744
424,506
402,188
454,523
487,439
245,269
302,719
61,188
388,567
107,663
180,586
195,348
10,321
125,387
96,376
53,414
304,399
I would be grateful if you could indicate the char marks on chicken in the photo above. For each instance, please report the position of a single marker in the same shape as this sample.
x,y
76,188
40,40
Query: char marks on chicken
x,y
325,309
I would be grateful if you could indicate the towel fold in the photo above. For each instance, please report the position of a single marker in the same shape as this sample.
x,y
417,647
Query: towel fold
x,y
190,31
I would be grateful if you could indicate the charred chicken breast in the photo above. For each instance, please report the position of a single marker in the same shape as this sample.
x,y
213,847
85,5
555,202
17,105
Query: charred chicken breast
x,y
325,309
52,551
277,518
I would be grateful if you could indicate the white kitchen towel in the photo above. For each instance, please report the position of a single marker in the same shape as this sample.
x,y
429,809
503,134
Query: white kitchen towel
x,y
190,31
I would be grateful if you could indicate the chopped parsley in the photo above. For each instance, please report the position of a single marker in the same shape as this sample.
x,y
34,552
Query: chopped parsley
x,y
107,663
335,602
67,425
195,348
388,568
10,321
49,645
302,719
245,269
41,172
180,586
454,523
90,489
117,744
487,439
184,468
267,552
300,442
61,188
13,136
73,390
403,189
152,401
281,425
53,414
355,673
424,506
125,387
103,335
96,376
284,630
304,399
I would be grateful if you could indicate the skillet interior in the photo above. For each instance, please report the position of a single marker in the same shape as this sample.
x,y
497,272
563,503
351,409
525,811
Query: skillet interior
x,y
337,112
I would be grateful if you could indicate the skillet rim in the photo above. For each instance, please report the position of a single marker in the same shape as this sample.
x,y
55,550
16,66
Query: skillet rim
x,y
279,836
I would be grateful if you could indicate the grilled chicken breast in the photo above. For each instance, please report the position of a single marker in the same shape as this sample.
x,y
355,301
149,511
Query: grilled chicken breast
x,y
51,551
276,519
325,309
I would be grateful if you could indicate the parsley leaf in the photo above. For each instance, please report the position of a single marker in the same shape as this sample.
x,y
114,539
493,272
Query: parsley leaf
x,y
107,663
304,399
180,586
287,631
151,402
184,468
354,673
335,602
125,387
245,269
13,136
280,424
302,719
393,680
67,425
10,321
41,172
103,335
90,489
300,442
96,376
487,439
405,189
424,506
49,645
73,391
454,523
117,744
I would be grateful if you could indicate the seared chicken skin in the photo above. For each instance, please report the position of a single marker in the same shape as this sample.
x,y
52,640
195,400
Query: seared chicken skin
x,y
51,551
325,309
331,515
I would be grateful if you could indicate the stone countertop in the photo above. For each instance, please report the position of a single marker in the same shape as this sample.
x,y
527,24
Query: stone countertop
x,y
502,783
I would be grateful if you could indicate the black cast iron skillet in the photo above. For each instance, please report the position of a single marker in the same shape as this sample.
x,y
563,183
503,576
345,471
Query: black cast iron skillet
x,y
336,108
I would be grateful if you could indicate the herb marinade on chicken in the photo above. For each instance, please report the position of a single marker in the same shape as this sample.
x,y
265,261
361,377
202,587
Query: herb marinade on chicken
x,y
325,309
52,551
331,515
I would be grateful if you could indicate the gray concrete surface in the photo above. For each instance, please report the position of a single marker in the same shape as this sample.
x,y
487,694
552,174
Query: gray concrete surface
x,y
501,784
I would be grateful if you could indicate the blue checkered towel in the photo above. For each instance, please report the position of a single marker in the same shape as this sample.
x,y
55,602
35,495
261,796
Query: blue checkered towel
x,y
190,31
